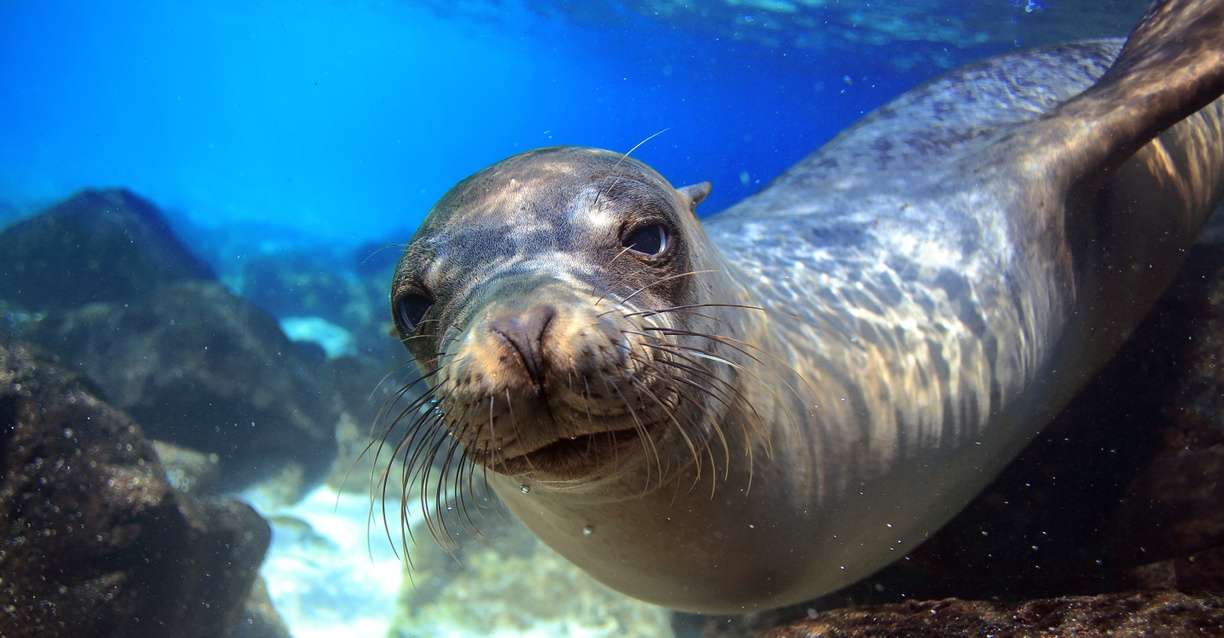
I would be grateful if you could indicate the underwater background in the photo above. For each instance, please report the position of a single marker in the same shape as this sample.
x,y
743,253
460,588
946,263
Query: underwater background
x,y
243,175
345,121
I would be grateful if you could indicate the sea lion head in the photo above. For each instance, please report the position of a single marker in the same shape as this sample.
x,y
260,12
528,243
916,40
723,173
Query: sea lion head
x,y
559,302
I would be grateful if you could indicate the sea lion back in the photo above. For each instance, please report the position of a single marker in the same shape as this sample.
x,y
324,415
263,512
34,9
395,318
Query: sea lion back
x,y
922,136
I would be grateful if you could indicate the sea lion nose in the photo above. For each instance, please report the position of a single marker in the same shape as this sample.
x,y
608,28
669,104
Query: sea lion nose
x,y
524,331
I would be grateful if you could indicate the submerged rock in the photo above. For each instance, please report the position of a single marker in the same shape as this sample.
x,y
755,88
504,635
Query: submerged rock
x,y
93,540
1118,615
202,368
98,245
189,471
297,284
320,297
260,618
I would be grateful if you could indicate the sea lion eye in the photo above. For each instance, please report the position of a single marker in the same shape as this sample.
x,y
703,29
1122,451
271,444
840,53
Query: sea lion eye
x,y
651,240
410,309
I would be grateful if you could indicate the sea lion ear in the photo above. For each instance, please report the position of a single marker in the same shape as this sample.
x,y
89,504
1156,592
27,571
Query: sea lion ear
x,y
695,193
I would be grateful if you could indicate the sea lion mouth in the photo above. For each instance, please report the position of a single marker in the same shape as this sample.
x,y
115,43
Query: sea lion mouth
x,y
576,456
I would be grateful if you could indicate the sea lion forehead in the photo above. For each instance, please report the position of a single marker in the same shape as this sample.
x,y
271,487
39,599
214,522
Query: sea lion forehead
x,y
544,184
543,202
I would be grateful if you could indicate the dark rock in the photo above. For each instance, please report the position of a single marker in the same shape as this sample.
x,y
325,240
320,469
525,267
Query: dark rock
x,y
96,246
1115,615
260,619
8,213
1200,571
201,368
289,284
189,471
299,284
93,540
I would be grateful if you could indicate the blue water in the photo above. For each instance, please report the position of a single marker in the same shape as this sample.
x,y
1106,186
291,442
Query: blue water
x,y
347,120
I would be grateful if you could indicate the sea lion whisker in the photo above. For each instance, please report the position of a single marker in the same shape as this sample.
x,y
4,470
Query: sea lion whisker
x,y
696,386
390,401
644,435
440,487
703,354
716,427
439,490
436,437
387,246
729,342
698,352
384,482
426,429
620,278
743,347
757,420
586,403
695,367
373,428
416,404
662,280
456,499
658,311
702,416
420,476
405,443
514,426
414,441
390,373
693,350
492,434
642,387
622,159
470,482
615,450
374,480
464,489
703,390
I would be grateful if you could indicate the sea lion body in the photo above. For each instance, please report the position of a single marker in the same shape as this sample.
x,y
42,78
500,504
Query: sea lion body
x,y
933,285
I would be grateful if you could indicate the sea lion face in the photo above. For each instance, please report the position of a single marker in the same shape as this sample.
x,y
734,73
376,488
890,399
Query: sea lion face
x,y
538,296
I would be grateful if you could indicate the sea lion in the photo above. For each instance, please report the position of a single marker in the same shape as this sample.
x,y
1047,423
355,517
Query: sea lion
x,y
761,408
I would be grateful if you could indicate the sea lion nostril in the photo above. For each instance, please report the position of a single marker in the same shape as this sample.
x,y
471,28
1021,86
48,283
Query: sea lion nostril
x,y
524,331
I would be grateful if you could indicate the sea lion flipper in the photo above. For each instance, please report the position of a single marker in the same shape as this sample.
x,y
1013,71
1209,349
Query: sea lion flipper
x,y
1171,67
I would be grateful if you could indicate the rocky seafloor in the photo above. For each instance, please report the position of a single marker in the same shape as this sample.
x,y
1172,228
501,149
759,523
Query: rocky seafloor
x,y
180,455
